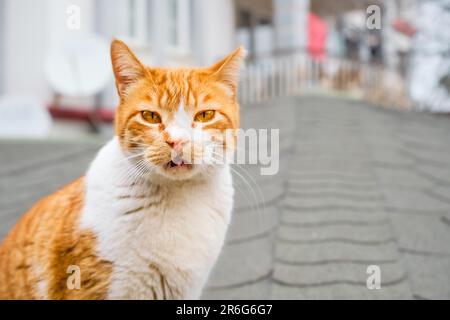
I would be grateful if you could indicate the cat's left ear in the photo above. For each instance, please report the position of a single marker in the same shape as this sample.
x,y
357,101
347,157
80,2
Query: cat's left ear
x,y
226,70
127,68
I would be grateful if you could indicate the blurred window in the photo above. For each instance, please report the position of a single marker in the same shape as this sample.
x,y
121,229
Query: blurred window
x,y
131,18
178,25
244,19
2,45
136,15
164,25
173,22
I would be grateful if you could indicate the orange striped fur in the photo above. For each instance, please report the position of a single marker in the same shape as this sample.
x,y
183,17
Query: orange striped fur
x,y
44,243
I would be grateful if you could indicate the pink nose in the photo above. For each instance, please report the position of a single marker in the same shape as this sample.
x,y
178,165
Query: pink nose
x,y
177,143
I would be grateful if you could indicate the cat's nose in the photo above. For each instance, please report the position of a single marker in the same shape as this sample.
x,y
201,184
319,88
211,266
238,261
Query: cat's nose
x,y
176,143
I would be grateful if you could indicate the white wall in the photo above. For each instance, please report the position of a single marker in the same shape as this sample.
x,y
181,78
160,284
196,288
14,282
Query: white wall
x,y
31,27
2,45
264,44
216,29
429,61
291,23
25,40
56,24
388,34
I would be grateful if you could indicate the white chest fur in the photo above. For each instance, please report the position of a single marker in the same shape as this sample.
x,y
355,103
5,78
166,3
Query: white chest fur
x,y
162,237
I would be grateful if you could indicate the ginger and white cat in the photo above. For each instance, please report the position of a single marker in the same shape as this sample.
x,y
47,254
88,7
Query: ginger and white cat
x,y
145,222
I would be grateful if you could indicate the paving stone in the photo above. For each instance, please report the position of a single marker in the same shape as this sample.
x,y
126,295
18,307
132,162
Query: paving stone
x,y
358,185
384,156
392,176
341,233
327,173
30,182
320,251
429,276
242,263
440,192
434,145
259,290
247,225
411,233
253,196
343,165
436,174
330,184
363,196
414,201
319,275
254,173
334,216
32,154
342,291
327,203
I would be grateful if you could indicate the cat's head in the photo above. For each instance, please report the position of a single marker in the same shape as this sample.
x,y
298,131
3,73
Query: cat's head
x,y
176,122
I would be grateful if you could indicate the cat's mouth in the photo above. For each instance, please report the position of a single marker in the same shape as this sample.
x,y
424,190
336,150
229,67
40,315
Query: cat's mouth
x,y
177,166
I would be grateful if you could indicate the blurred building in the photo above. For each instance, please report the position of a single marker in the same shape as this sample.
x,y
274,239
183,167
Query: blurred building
x,y
162,32
197,32
429,61
267,27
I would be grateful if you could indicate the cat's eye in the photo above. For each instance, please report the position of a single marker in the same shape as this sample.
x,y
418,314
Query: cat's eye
x,y
150,116
204,116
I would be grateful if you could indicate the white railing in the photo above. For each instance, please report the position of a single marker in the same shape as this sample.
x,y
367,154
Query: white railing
x,y
273,77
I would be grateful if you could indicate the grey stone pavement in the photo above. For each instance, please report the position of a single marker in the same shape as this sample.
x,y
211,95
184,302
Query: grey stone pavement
x,y
358,185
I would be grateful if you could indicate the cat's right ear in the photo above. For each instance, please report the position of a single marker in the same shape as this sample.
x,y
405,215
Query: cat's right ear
x,y
127,68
